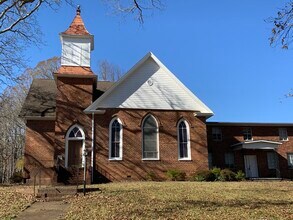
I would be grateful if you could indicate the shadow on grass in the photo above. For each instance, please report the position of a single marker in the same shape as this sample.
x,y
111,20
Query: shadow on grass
x,y
172,206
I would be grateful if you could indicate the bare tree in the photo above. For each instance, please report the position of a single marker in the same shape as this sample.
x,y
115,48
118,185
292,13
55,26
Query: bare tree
x,y
108,71
138,8
282,26
19,30
12,128
45,68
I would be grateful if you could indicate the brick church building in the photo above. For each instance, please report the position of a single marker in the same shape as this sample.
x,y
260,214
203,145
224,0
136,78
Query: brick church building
x,y
146,122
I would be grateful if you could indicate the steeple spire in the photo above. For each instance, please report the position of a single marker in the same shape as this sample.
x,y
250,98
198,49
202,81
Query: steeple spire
x,y
77,26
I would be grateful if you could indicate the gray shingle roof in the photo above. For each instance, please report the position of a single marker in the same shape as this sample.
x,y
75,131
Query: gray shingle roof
x,y
41,98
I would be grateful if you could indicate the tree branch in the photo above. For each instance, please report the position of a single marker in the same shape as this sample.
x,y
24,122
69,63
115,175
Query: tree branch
x,y
22,18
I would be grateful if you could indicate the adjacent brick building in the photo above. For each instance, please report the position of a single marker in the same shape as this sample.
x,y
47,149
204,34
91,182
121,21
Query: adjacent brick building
x,y
146,123
259,149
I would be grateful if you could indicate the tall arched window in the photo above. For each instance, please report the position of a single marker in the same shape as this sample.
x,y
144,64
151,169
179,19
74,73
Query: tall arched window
x,y
183,140
74,147
150,135
115,139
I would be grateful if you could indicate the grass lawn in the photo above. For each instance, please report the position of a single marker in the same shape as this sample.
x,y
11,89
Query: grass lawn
x,y
14,199
186,200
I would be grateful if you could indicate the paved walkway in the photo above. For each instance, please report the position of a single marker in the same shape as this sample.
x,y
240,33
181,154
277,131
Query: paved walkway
x,y
44,211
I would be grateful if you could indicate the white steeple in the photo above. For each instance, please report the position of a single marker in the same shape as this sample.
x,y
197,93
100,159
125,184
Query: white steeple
x,y
77,44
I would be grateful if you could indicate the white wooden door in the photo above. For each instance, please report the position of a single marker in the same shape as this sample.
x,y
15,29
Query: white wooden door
x,y
251,169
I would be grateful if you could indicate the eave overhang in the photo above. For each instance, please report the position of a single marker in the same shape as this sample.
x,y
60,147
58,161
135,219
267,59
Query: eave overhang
x,y
256,145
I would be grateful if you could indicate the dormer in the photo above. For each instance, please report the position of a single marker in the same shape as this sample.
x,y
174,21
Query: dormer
x,y
77,44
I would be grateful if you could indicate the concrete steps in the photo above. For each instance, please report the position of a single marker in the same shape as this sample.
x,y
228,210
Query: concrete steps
x,y
56,193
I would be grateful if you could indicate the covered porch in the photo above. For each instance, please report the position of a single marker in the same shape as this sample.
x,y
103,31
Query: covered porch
x,y
258,159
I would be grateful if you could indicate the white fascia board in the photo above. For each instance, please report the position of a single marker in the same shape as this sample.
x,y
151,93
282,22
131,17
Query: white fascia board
x,y
250,145
258,141
96,112
262,141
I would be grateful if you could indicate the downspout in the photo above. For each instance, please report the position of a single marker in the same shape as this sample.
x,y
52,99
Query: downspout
x,y
93,112
93,148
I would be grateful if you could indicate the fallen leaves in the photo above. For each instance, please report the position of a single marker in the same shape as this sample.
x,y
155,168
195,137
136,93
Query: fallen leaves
x,y
12,202
186,200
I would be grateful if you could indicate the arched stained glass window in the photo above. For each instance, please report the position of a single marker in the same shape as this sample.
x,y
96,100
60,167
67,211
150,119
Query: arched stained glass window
x,y
115,142
75,133
183,141
150,138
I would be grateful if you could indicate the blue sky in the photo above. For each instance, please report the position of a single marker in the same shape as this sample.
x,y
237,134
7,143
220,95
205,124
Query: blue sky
x,y
218,49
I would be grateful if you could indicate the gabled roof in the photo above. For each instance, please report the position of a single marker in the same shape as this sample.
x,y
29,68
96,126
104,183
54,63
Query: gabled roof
x,y
150,85
77,26
40,100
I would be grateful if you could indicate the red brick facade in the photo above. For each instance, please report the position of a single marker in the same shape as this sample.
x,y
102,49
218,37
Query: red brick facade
x,y
46,140
132,166
39,151
233,134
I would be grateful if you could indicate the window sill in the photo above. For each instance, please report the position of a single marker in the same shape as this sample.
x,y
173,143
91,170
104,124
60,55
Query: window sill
x,y
150,159
115,159
184,159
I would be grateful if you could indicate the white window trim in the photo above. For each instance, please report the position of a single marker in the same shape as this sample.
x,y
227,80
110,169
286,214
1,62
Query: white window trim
x,y
188,141
247,128
67,139
282,130
289,166
228,156
158,143
274,160
220,132
121,140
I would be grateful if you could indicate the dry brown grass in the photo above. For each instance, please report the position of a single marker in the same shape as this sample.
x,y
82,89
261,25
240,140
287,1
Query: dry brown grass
x,y
13,200
186,200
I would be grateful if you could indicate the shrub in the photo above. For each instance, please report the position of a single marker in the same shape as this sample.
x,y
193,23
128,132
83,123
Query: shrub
x,y
204,175
151,176
227,175
176,175
16,177
240,175
217,173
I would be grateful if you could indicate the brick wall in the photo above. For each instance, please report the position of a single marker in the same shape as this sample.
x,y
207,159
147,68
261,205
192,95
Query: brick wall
x,y
73,96
132,167
234,134
39,151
